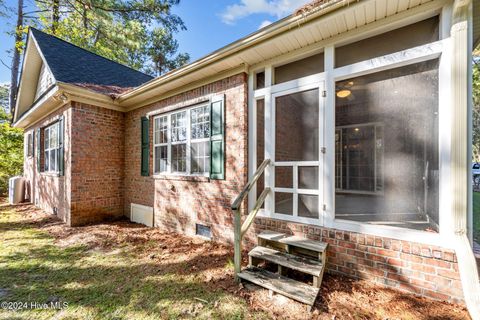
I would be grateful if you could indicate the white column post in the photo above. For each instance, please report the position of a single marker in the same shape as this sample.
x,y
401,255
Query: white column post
x,y
461,152
252,138
269,139
329,124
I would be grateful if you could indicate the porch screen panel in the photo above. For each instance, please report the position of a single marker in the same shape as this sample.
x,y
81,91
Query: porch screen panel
x,y
308,206
260,143
300,68
297,146
296,126
386,138
413,35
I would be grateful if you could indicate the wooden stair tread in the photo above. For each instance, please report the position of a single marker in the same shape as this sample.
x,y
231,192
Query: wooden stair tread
x,y
294,241
308,266
290,288
271,235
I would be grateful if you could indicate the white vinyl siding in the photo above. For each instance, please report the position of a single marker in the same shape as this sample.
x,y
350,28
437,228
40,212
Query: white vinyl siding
x,y
45,80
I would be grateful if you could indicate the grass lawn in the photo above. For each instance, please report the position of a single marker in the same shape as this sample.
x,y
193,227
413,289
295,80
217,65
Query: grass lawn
x,y
125,271
476,216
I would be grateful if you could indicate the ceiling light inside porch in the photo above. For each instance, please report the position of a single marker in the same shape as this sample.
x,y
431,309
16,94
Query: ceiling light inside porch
x,y
343,93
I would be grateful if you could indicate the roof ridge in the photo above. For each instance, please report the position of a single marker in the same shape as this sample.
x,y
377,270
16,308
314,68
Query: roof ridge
x,y
88,51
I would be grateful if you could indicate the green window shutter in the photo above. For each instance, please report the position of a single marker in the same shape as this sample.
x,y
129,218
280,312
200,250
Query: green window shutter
x,y
38,151
145,146
217,138
61,140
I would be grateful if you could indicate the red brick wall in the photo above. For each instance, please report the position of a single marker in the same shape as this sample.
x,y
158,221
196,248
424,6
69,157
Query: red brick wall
x,y
105,179
92,186
424,270
97,164
180,202
49,191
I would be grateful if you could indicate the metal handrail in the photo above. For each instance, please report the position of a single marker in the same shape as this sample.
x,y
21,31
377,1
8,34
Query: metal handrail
x,y
238,201
240,229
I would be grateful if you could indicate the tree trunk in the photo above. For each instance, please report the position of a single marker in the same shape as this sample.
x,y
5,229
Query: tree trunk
x,y
55,16
16,58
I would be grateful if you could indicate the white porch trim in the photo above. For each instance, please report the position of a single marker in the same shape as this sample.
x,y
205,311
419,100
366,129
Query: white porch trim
x,y
435,50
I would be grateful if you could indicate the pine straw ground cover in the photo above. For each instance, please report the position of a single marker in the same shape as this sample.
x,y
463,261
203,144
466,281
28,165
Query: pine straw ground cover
x,y
122,270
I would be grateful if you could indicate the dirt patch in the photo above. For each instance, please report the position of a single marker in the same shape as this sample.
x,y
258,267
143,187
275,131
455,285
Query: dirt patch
x,y
340,297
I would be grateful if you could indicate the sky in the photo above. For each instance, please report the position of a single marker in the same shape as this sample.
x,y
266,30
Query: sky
x,y
211,24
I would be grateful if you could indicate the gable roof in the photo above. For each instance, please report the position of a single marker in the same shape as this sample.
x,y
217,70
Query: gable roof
x,y
71,64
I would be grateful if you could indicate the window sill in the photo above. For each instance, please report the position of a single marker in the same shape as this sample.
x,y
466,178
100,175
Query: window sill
x,y
181,178
50,174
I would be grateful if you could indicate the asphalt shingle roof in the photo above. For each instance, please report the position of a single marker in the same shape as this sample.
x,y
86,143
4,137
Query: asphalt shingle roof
x,y
74,65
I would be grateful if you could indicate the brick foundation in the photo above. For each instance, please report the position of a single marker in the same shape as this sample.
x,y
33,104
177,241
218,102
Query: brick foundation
x,y
424,270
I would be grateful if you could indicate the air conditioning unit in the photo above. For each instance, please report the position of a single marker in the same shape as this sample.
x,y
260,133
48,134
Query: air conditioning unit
x,y
16,190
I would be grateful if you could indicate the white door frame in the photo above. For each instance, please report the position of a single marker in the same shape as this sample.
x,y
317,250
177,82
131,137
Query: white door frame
x,y
299,85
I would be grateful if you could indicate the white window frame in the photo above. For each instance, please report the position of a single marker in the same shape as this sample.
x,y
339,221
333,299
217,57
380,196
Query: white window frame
x,y
158,143
375,125
188,142
200,140
436,50
47,151
30,146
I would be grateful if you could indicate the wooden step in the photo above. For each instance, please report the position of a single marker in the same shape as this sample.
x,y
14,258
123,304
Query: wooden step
x,y
290,288
295,241
300,242
308,266
271,235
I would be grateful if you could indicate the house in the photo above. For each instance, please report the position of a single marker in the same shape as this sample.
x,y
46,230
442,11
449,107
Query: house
x,y
358,114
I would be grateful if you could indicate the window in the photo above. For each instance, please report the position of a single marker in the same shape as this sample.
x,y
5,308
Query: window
x,y
160,140
52,148
182,142
386,157
200,139
359,158
30,145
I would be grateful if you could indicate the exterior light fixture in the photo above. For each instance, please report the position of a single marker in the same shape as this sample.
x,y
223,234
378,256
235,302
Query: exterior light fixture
x,y
343,93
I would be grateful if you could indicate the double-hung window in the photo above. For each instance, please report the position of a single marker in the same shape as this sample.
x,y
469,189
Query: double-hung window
x,y
52,148
182,142
161,143
200,139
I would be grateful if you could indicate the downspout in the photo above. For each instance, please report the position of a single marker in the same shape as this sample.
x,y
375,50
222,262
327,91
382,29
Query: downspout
x,y
460,33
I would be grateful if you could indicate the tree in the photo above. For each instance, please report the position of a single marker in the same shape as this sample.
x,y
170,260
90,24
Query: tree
x,y
11,147
162,51
476,107
17,49
124,31
4,97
